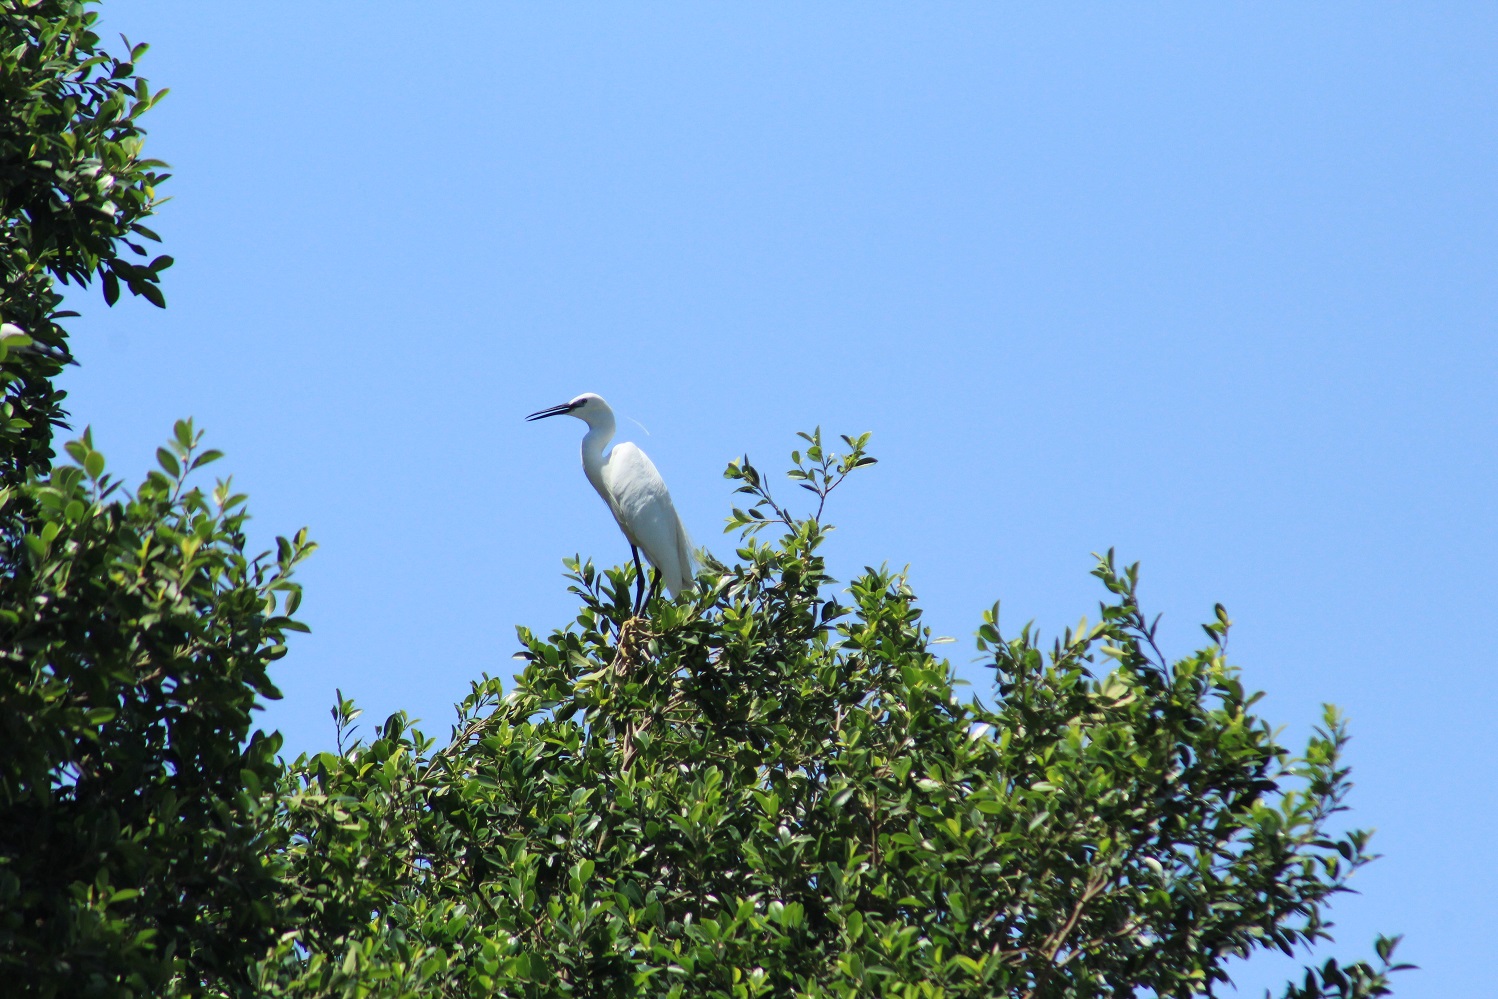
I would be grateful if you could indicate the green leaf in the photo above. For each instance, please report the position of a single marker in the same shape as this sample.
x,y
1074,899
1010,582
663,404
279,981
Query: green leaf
x,y
168,463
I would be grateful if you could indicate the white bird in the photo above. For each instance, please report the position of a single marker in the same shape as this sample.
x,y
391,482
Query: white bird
x,y
636,495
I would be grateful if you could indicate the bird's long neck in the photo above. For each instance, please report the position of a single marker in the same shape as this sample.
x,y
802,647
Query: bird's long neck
x,y
594,441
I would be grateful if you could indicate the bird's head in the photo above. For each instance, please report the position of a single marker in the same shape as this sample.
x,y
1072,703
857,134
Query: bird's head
x,y
588,407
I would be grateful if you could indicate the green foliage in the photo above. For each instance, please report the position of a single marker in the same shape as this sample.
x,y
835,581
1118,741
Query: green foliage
x,y
74,191
135,632
137,635
764,791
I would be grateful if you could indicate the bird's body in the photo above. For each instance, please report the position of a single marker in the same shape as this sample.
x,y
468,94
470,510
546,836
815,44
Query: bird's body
x,y
636,494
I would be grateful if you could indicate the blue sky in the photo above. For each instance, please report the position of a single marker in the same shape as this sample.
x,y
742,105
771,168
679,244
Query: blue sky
x,y
1213,285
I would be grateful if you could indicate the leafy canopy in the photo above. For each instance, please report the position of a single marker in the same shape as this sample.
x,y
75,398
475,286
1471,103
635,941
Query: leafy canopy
x,y
74,191
136,631
763,790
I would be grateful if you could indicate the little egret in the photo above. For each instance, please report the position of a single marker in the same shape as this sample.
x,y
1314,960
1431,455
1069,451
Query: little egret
x,y
636,495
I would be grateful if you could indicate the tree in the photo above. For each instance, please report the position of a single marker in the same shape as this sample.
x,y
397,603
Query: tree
x,y
75,192
135,631
762,791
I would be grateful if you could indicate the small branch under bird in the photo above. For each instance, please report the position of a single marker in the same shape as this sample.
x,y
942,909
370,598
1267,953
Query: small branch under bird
x,y
636,495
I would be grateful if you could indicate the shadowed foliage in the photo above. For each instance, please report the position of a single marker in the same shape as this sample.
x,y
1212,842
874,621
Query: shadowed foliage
x,y
135,630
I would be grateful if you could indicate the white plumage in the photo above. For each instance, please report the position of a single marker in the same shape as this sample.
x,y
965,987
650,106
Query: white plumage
x,y
634,491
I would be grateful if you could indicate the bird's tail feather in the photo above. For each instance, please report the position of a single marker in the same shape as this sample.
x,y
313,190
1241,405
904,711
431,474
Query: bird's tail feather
x,y
684,549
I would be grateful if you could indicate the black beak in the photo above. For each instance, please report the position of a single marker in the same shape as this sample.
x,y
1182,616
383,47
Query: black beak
x,y
542,414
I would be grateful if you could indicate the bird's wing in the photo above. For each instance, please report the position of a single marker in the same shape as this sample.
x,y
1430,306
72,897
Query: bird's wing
x,y
647,515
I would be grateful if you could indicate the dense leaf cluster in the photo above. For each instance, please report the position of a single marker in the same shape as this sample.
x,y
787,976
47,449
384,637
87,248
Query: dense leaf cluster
x,y
135,631
74,194
135,636
763,791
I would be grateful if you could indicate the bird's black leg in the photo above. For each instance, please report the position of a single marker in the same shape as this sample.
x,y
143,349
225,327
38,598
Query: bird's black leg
x,y
655,588
639,580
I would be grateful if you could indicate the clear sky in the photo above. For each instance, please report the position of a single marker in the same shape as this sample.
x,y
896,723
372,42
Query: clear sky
x,y
1211,284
